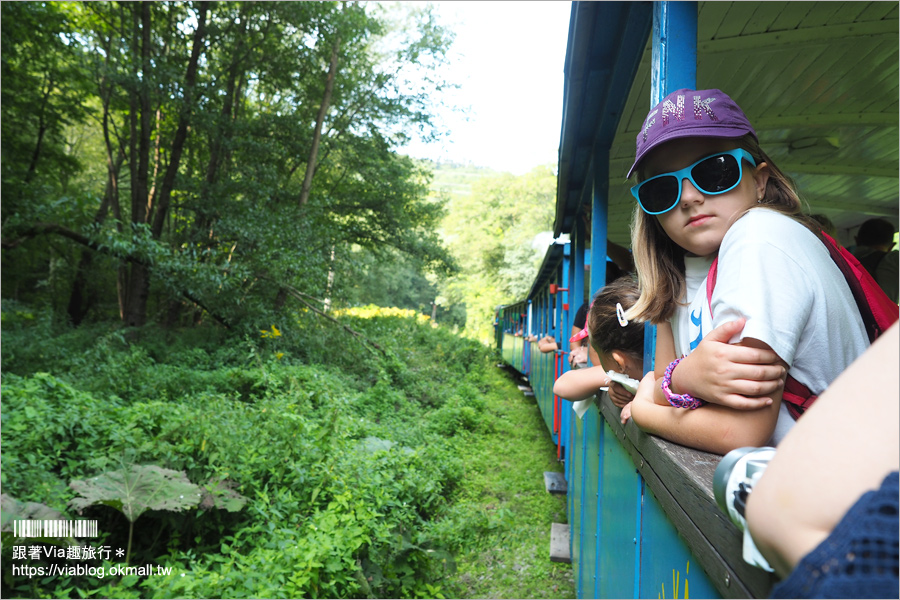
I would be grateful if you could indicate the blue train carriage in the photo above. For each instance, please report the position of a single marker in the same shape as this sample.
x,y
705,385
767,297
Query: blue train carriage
x,y
545,312
514,328
819,80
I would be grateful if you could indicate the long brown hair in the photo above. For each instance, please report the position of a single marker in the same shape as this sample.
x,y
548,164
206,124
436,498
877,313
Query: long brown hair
x,y
660,262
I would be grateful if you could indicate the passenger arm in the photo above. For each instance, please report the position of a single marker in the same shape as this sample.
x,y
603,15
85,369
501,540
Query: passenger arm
x,y
713,428
665,348
843,446
579,384
740,376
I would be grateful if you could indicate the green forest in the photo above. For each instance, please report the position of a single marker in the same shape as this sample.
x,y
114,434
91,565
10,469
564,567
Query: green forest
x,y
243,331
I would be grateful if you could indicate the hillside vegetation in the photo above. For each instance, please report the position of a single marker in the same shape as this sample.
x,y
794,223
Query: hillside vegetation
x,y
497,228
397,463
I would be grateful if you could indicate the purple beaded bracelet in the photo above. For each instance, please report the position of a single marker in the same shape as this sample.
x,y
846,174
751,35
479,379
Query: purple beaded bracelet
x,y
678,400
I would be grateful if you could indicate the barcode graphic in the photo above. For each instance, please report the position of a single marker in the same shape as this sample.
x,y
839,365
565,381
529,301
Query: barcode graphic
x,y
83,528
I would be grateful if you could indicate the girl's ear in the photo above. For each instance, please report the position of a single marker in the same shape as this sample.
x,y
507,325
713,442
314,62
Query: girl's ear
x,y
630,365
760,179
619,358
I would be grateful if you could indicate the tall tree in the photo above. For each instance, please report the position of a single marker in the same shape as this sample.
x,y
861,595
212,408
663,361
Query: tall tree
x,y
215,118
499,234
43,93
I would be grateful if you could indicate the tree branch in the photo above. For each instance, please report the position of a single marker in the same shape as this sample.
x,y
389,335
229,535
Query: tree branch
x,y
320,118
42,129
45,228
190,79
362,339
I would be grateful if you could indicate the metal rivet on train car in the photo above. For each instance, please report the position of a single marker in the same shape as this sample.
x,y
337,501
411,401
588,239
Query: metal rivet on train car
x,y
642,463
727,579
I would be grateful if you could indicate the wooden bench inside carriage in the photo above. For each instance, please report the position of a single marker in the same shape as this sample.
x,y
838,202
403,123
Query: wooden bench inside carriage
x,y
681,479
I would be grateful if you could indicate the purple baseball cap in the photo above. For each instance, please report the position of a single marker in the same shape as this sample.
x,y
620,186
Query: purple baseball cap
x,y
690,113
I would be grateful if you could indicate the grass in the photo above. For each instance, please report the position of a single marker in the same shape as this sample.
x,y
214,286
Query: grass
x,y
457,509
505,482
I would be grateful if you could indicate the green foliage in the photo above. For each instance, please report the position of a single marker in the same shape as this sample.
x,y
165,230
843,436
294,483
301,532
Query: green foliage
x,y
221,494
12,510
345,473
393,279
499,524
204,116
44,83
462,412
73,424
134,489
497,227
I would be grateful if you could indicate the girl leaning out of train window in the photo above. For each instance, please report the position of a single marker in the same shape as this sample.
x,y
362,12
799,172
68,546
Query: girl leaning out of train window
x,y
619,348
707,191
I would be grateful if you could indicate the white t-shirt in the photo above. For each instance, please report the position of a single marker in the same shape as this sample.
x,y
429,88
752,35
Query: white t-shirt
x,y
776,273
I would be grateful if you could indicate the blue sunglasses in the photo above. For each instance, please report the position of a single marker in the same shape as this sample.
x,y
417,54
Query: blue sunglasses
x,y
714,174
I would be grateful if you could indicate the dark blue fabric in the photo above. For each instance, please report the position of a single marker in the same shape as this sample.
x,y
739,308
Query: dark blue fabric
x,y
860,558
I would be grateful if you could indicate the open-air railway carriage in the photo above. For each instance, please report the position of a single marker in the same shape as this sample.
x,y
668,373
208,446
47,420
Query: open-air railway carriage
x,y
819,81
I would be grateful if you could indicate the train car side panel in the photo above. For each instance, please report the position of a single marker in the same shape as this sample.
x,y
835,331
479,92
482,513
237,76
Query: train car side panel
x,y
668,568
618,508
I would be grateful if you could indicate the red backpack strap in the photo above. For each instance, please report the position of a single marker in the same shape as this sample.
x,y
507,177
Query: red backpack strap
x,y
877,310
711,283
797,397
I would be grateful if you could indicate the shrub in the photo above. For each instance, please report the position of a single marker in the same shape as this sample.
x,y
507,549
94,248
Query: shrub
x,y
349,460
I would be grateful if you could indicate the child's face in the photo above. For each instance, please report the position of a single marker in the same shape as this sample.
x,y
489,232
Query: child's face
x,y
699,222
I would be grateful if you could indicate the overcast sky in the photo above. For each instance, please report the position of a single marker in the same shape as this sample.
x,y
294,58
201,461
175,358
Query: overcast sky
x,y
509,64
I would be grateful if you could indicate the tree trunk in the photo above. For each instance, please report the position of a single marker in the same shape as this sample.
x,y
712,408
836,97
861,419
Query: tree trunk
x,y
137,291
140,183
223,133
42,129
113,166
80,299
330,283
78,305
137,294
320,118
280,299
190,78
173,314
137,286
